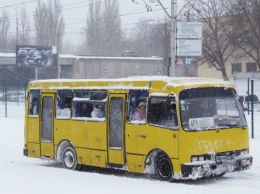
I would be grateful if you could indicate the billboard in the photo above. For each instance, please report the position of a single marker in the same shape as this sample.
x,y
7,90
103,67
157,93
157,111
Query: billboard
x,y
35,56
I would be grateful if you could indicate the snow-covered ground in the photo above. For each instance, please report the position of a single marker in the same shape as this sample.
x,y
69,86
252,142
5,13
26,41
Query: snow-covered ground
x,y
19,174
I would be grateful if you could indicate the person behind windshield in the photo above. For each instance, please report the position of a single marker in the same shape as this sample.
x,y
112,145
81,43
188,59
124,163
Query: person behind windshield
x,y
204,108
140,113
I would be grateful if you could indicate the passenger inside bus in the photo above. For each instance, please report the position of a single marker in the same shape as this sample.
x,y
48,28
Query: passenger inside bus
x,y
86,110
97,111
34,107
67,103
140,112
163,113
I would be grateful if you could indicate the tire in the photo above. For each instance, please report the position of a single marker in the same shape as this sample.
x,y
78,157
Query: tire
x,y
163,167
43,63
69,159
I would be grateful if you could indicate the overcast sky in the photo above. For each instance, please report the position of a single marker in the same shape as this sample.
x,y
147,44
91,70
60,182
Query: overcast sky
x,y
75,12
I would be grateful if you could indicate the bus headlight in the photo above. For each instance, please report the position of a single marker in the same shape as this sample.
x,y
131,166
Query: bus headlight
x,y
201,158
197,158
194,158
244,152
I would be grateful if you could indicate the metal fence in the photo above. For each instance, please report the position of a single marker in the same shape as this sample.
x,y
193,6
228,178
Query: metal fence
x,y
12,101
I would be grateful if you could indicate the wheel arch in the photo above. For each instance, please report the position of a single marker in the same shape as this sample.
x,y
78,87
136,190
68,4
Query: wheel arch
x,y
61,147
150,159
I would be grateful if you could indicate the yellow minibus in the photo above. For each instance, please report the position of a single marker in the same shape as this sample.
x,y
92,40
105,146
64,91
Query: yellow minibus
x,y
170,128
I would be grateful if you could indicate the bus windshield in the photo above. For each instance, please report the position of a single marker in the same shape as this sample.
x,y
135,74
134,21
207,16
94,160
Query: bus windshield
x,y
210,108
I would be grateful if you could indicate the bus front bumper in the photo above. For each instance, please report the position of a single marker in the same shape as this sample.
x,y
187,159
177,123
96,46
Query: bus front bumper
x,y
208,168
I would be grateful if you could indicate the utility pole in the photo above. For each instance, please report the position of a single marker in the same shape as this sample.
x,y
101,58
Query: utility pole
x,y
58,51
173,51
188,20
17,28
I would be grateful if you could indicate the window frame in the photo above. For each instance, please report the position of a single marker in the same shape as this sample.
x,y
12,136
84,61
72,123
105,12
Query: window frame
x,y
167,98
77,101
133,104
30,98
63,111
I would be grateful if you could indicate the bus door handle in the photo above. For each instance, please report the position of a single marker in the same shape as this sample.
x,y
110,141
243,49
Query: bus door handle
x,y
141,136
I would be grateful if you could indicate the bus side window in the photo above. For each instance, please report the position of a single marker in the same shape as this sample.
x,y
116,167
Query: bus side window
x,y
63,104
89,104
136,98
34,103
162,112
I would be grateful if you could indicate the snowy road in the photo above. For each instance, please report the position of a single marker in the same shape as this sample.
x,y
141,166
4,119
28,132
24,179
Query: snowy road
x,y
19,174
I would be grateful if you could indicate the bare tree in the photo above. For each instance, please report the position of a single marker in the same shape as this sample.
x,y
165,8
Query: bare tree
x,y
56,22
150,38
216,46
140,37
49,23
245,17
111,28
4,29
92,33
24,32
40,23
102,34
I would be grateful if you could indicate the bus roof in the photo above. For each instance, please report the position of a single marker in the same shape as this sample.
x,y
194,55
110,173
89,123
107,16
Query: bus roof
x,y
135,82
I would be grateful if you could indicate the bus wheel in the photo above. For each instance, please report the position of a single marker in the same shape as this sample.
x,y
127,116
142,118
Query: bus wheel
x,y
163,167
69,159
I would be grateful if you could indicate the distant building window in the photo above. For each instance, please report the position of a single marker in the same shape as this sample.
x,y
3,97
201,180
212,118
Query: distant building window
x,y
236,67
251,67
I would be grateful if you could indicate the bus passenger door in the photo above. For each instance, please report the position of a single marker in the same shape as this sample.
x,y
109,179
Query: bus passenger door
x,y
46,126
116,130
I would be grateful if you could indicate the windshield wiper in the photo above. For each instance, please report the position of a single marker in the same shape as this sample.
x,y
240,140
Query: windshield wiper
x,y
228,125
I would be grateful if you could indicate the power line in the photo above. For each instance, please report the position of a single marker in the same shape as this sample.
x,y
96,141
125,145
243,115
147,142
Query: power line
x,y
79,22
14,5
120,15
31,14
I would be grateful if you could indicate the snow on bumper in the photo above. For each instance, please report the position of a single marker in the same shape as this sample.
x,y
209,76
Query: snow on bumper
x,y
209,168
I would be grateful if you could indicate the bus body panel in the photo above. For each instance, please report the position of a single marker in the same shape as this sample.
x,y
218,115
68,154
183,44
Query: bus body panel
x,y
141,139
98,158
84,156
96,135
135,163
33,130
212,142
34,150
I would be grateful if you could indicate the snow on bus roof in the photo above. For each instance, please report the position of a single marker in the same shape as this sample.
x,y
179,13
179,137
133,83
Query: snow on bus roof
x,y
170,80
136,82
